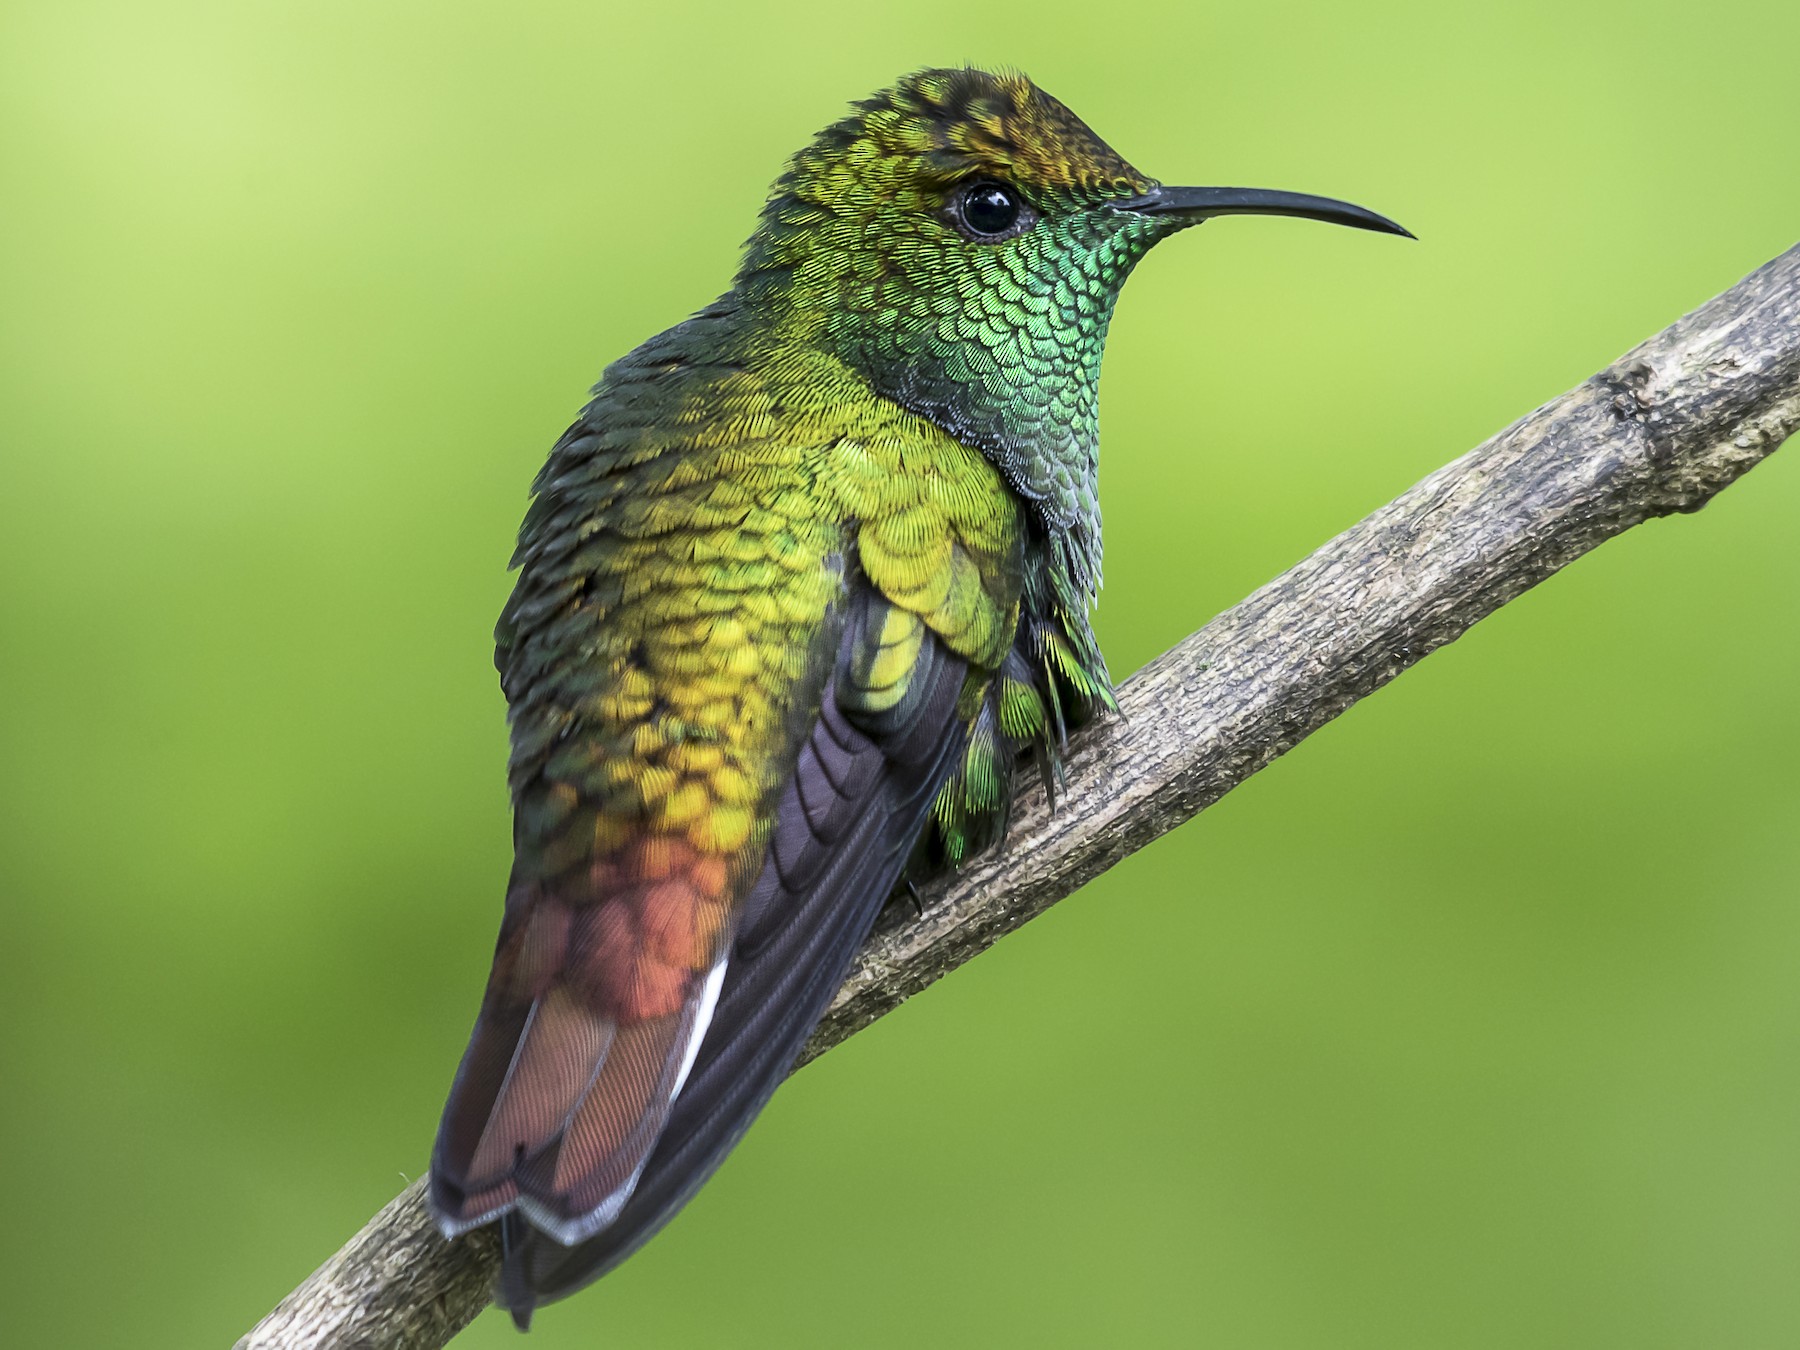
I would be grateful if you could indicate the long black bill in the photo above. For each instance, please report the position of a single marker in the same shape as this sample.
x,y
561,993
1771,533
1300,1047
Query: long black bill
x,y
1195,204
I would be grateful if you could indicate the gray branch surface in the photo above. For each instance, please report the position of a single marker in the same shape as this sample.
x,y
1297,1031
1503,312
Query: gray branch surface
x,y
1661,430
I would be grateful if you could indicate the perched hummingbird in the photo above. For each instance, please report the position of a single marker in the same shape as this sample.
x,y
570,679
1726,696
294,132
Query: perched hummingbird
x,y
806,578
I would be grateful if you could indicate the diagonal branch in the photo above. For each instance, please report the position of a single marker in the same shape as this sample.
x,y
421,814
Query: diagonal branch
x,y
1660,430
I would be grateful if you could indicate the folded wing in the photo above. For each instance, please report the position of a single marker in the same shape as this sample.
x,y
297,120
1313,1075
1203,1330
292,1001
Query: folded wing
x,y
886,738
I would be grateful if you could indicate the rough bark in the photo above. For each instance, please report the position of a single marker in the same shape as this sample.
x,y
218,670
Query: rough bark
x,y
1659,431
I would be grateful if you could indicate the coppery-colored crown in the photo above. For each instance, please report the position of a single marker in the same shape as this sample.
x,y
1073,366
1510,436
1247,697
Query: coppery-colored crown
x,y
954,124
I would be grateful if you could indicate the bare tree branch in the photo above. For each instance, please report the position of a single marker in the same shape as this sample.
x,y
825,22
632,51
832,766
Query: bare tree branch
x,y
1660,430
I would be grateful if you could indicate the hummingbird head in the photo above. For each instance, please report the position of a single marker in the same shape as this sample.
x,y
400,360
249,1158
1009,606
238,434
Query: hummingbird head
x,y
960,240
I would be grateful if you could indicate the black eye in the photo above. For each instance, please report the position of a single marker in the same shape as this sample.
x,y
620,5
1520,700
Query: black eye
x,y
988,209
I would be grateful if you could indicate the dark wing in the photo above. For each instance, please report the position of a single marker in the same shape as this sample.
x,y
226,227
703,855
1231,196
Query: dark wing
x,y
858,800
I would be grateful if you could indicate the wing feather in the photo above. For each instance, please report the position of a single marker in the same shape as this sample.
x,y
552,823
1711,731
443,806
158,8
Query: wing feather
x,y
855,805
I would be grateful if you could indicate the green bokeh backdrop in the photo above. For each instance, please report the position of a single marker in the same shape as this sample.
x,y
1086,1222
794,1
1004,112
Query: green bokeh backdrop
x,y
1472,1023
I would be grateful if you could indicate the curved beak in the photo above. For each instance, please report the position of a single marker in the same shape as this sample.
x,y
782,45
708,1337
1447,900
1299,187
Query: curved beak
x,y
1191,205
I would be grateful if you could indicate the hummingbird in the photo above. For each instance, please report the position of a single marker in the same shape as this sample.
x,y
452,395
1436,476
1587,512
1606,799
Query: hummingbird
x,y
807,579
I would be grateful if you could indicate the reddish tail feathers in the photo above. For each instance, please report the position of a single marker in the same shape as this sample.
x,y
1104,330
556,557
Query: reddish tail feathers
x,y
593,1013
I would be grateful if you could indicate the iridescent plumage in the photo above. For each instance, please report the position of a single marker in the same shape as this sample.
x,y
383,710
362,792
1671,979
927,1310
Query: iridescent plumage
x,y
807,577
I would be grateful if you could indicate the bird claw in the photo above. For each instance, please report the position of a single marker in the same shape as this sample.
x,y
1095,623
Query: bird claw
x,y
912,894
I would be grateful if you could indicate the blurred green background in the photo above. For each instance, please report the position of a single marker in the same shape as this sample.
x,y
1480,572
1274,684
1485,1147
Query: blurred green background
x,y
1472,1023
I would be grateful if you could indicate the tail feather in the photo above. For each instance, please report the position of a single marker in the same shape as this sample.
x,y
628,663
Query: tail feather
x,y
563,1042
568,1078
